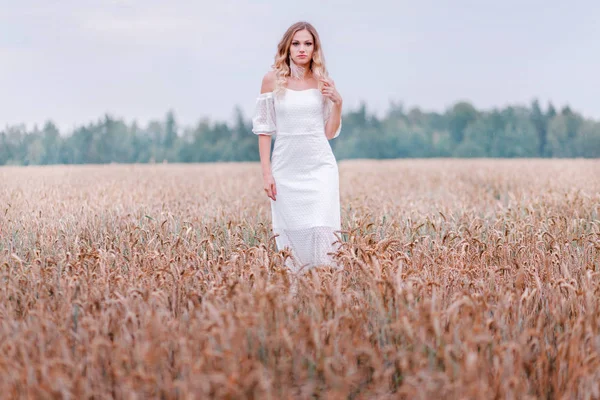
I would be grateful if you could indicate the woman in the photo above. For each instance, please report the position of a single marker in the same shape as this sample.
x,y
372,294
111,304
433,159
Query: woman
x,y
301,106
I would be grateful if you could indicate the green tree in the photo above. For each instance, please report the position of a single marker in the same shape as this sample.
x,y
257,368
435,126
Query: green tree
x,y
170,130
51,142
540,123
459,117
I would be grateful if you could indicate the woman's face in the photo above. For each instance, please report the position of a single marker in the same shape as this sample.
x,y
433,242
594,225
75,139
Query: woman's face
x,y
301,49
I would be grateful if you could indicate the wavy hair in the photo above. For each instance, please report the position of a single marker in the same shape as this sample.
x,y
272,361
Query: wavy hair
x,y
282,58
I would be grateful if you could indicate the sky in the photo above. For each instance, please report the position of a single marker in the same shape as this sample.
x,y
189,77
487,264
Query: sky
x,y
72,61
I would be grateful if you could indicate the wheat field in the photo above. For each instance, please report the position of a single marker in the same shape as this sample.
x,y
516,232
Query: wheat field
x,y
474,279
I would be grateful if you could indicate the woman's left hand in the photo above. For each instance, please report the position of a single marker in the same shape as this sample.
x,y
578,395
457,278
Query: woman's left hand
x,y
330,91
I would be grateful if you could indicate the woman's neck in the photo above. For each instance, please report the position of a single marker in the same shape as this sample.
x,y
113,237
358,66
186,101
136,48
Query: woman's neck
x,y
299,72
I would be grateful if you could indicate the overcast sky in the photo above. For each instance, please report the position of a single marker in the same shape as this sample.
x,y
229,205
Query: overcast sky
x,y
74,60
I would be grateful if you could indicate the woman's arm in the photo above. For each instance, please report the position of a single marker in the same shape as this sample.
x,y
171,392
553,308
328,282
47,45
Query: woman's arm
x,y
264,143
264,150
335,117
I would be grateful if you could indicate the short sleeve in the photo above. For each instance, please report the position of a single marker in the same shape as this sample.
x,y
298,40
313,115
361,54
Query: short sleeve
x,y
327,106
263,121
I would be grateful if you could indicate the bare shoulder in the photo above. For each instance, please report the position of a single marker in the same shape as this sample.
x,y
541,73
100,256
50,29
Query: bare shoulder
x,y
268,82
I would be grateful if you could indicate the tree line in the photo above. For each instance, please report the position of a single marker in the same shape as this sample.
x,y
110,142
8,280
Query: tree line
x,y
460,131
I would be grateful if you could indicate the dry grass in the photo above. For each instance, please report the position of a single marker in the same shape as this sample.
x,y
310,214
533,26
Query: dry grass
x,y
462,279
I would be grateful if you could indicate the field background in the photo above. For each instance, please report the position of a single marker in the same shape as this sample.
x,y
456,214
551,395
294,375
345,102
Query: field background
x,y
462,278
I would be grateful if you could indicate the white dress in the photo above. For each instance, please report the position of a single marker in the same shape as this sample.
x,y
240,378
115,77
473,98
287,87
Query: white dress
x,y
306,212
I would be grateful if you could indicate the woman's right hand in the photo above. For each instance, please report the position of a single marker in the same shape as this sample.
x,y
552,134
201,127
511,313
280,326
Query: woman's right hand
x,y
269,186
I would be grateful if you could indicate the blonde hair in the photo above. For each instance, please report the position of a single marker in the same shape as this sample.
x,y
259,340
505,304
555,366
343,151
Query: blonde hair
x,y
282,58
